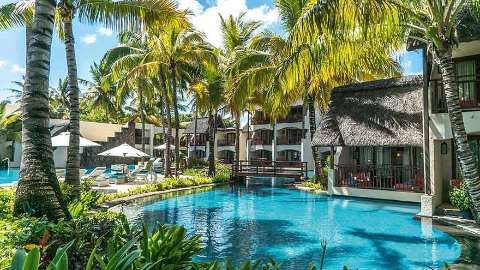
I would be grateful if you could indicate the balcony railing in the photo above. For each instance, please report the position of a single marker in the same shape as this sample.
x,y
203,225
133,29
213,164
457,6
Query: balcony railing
x,y
261,141
439,103
198,143
283,140
292,118
260,121
226,142
385,177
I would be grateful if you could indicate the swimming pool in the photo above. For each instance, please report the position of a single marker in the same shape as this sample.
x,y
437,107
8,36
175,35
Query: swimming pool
x,y
249,222
9,176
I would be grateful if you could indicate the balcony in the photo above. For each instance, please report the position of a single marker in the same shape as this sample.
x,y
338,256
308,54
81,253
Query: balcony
x,y
260,118
291,118
226,142
261,141
385,177
468,99
287,140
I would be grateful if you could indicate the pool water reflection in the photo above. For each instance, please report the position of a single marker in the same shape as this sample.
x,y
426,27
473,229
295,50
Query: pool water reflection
x,y
9,176
249,222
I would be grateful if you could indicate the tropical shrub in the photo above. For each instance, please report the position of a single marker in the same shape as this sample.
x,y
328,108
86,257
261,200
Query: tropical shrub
x,y
460,198
31,261
312,184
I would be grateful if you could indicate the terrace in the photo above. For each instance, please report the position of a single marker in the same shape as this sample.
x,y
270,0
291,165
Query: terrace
x,y
294,115
375,133
468,77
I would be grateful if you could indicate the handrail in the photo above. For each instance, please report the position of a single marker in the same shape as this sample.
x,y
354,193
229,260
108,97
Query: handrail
x,y
296,169
383,177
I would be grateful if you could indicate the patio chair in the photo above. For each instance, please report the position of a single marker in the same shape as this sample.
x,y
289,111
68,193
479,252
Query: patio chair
x,y
101,181
94,173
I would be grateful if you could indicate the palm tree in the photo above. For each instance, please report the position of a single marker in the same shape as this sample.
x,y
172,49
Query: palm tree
x,y
124,14
101,91
59,102
431,23
237,35
174,55
209,89
18,90
287,73
38,191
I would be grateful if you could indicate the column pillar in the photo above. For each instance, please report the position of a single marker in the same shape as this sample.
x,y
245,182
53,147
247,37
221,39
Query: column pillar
x,y
274,142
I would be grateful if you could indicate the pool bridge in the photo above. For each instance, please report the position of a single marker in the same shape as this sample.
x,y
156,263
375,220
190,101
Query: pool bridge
x,y
287,169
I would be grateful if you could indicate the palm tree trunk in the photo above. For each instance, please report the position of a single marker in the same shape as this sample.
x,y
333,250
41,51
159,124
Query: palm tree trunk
x,y
313,128
211,142
167,158
72,176
195,125
464,152
38,191
177,120
142,119
237,139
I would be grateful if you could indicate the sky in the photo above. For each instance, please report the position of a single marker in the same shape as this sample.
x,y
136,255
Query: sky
x,y
92,41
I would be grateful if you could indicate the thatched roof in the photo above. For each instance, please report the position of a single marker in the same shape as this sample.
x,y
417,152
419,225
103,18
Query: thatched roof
x,y
376,113
202,125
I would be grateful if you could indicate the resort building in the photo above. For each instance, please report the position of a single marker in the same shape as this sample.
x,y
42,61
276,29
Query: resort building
x,y
106,134
199,148
380,145
444,166
286,139
374,131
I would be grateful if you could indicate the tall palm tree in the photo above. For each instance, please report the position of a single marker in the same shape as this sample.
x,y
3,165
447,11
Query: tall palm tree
x,y
431,23
38,191
286,73
237,35
209,88
175,54
124,14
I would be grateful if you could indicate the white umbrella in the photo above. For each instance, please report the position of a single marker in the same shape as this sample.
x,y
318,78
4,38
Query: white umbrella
x,y
164,146
124,150
63,140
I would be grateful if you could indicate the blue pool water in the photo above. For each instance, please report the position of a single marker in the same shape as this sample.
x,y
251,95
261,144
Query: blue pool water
x,y
249,222
9,176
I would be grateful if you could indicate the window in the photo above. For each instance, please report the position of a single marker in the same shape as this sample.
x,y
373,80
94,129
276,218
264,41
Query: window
x,y
466,76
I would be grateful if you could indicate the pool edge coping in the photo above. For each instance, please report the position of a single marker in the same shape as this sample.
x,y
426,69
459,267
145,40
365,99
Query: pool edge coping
x,y
132,198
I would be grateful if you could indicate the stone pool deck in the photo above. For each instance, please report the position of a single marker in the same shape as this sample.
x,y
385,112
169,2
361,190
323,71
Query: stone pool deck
x,y
132,198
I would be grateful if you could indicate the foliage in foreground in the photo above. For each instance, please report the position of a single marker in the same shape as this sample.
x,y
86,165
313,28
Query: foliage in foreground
x,y
162,248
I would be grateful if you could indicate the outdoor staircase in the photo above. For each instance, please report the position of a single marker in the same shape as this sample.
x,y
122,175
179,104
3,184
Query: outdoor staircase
x,y
90,157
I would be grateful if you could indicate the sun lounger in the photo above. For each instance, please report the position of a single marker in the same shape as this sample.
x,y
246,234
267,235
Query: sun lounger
x,y
101,181
94,173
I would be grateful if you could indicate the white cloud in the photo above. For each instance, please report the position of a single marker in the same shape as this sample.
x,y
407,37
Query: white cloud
x,y
207,20
193,5
89,39
105,31
17,69
3,63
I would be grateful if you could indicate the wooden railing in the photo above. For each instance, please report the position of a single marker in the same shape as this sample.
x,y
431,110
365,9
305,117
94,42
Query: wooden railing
x,y
291,119
289,169
285,140
261,141
386,177
226,142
